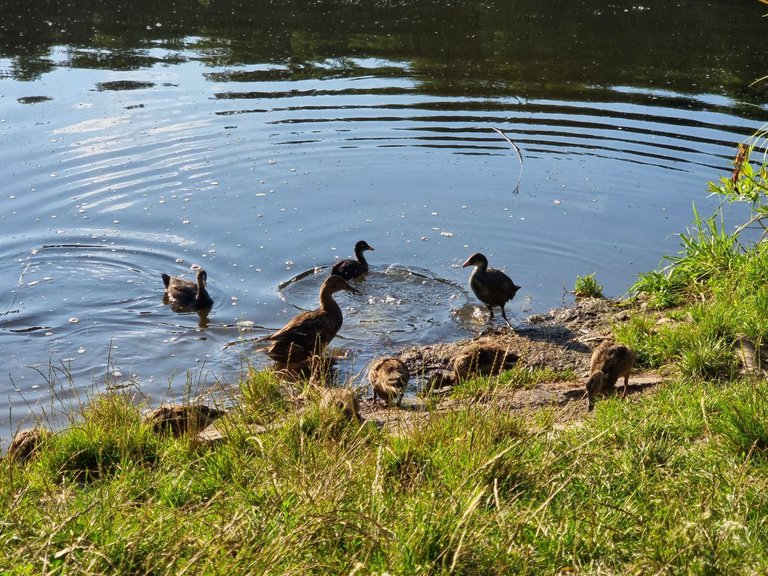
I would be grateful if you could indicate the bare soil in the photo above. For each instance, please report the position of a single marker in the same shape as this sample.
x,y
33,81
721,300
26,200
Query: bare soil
x,y
561,339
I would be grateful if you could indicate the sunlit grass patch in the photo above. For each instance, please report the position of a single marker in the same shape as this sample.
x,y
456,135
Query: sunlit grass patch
x,y
518,377
587,287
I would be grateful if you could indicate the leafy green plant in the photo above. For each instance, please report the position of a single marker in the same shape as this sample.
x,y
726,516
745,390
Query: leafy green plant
x,y
660,288
587,287
747,183
707,358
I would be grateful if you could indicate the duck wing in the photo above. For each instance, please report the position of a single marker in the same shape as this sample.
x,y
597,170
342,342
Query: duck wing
x,y
349,269
180,290
493,287
305,334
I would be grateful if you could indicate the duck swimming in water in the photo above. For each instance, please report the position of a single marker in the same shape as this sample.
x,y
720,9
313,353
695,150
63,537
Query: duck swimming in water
x,y
492,287
188,294
350,268
308,334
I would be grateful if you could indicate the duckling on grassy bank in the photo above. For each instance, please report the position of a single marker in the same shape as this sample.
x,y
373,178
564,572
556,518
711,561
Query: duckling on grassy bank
x,y
389,378
609,362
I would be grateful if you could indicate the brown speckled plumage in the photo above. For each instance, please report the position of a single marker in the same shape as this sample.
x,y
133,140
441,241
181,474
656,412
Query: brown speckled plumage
x,y
609,362
389,378
309,333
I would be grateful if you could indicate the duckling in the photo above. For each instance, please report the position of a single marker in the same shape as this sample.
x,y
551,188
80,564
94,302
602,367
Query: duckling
x,y
178,419
308,333
441,379
188,294
25,443
349,268
608,363
492,287
483,358
389,377
342,401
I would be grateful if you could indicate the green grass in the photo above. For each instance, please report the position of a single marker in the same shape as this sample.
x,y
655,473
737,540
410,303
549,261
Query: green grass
x,y
671,483
519,377
587,287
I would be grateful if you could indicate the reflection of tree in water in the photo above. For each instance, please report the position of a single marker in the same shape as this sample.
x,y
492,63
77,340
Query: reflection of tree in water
x,y
492,48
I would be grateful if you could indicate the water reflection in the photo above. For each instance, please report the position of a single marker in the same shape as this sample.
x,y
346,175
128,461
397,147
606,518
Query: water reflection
x,y
526,48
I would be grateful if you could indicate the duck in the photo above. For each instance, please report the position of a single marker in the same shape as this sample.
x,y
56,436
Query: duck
x,y
341,401
25,443
483,358
389,377
178,419
308,334
349,268
492,287
185,293
608,363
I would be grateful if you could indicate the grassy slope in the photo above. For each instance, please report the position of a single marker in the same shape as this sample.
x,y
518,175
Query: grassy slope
x,y
675,482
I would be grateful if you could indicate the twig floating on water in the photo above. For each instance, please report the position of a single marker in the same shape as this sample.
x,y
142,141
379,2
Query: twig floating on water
x,y
519,156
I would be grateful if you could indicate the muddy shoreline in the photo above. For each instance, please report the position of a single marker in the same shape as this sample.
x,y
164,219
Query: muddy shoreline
x,y
560,339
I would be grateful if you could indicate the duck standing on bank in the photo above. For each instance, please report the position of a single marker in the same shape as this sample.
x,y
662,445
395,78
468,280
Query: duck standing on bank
x,y
492,287
389,378
187,294
350,268
309,333
608,363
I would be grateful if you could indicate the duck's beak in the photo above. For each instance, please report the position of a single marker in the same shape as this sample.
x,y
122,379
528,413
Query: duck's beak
x,y
467,263
353,290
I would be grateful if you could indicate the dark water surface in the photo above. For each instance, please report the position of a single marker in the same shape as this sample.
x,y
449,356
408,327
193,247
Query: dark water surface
x,y
260,140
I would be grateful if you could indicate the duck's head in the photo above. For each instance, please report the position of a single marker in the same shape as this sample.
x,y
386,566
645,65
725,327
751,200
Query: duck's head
x,y
476,259
362,246
335,284
202,277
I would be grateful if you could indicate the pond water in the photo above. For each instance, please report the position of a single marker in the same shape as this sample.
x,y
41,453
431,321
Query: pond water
x,y
261,140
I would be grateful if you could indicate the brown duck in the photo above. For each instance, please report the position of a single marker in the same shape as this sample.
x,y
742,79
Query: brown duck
x,y
178,419
350,268
492,287
609,362
483,358
308,334
343,401
389,377
188,294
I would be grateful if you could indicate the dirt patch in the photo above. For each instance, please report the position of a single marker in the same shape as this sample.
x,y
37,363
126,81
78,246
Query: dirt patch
x,y
561,339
